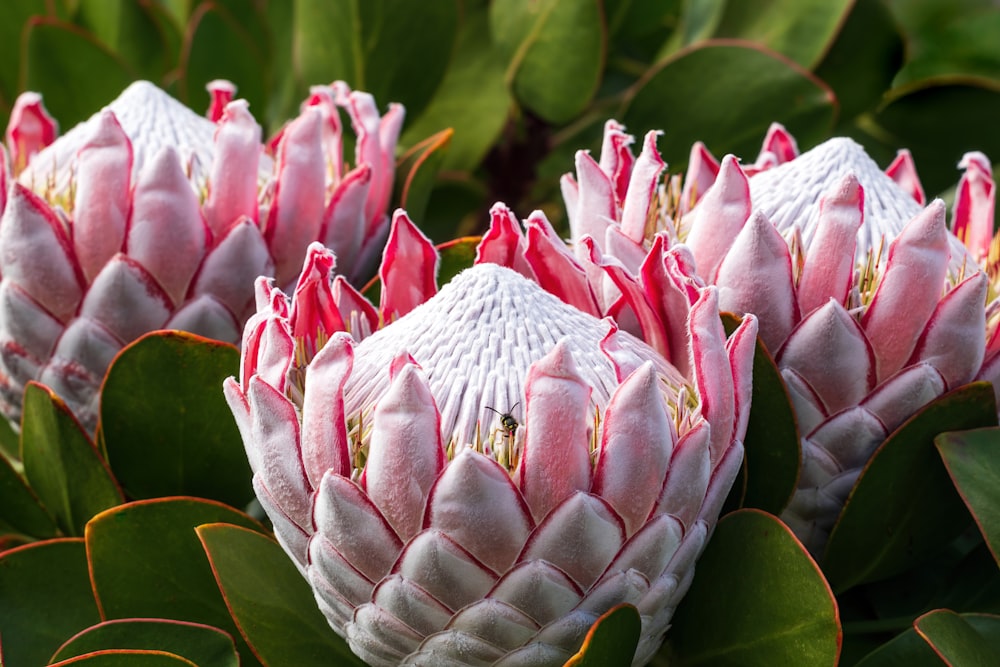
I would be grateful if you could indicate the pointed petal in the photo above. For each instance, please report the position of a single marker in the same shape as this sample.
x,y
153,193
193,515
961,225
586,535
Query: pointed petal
x,y
617,161
229,268
29,129
496,622
357,312
23,320
126,299
555,267
344,223
898,398
687,478
206,316
504,243
409,269
325,445
595,208
702,171
405,454
903,171
439,565
540,590
719,217
741,348
313,317
221,92
713,376
954,341
232,182
411,604
650,549
642,189
975,203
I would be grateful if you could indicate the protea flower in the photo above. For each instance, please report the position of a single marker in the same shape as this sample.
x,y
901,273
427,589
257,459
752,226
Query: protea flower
x,y
870,306
436,531
148,216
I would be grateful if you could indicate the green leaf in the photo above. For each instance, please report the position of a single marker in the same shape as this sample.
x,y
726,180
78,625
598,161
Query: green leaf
x,y
910,649
801,30
14,15
201,644
375,46
772,450
45,598
456,256
973,461
472,99
955,640
20,507
216,46
903,506
61,463
165,422
10,440
554,51
757,599
146,562
611,640
272,604
135,31
61,60
415,173
125,658
680,95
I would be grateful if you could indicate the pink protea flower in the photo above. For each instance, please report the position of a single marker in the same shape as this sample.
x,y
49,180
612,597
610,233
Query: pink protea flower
x,y
149,216
432,530
870,306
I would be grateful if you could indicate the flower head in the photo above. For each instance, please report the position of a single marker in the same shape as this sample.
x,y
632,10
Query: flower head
x,y
148,216
432,531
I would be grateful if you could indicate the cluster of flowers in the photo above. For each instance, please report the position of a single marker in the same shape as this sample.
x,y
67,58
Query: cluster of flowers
x,y
474,475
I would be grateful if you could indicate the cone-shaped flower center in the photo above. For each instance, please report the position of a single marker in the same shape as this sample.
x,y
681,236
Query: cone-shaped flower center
x,y
476,339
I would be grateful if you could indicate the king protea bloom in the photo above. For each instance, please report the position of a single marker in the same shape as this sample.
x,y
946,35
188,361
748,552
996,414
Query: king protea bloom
x,y
149,216
477,481
869,305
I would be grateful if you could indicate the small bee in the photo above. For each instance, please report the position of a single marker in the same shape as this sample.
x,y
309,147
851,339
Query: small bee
x,y
507,420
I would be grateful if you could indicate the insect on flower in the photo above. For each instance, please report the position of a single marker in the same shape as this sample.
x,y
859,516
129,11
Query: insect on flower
x,y
507,421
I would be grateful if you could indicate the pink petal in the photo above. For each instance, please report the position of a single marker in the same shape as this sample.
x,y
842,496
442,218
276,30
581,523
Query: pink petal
x,y
103,198
409,269
503,243
376,146
167,233
809,409
328,566
954,341
637,439
713,375
687,477
829,350
702,171
668,285
89,345
721,482
650,549
642,189
898,398
555,267
229,268
29,129
756,277
975,202
221,92
296,212
719,217
439,565
391,634
325,445
126,299
829,265
909,290
405,454
779,143
411,604
495,622
849,438
23,320
903,171
556,459
616,157
344,223
741,348
324,99
350,523
313,316
595,208
540,590
464,502
232,182
629,253
269,354
36,254
206,316
357,312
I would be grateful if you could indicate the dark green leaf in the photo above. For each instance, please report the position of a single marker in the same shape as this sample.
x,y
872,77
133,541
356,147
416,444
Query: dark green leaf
x,y
799,30
124,658
554,51
14,15
61,60
45,598
165,423
973,461
415,173
727,94
757,599
909,649
270,601
772,450
955,640
472,99
201,644
903,506
132,30
611,640
456,256
61,463
20,507
146,562
10,441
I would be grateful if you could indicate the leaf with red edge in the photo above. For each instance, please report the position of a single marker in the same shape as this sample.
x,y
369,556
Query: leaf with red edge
x,y
201,644
146,562
270,601
904,506
20,507
45,598
973,461
125,658
955,640
164,420
611,640
61,463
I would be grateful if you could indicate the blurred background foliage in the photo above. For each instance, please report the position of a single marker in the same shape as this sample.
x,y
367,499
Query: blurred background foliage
x,y
526,83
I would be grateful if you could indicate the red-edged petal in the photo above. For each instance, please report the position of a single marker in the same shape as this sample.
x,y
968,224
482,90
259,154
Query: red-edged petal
x,y
741,348
313,317
975,202
642,189
898,398
555,268
357,312
719,217
126,299
713,375
344,223
616,157
206,316
538,589
702,171
232,182
221,93
409,269
687,478
230,268
504,243
595,208
903,171
29,130
439,565
325,445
